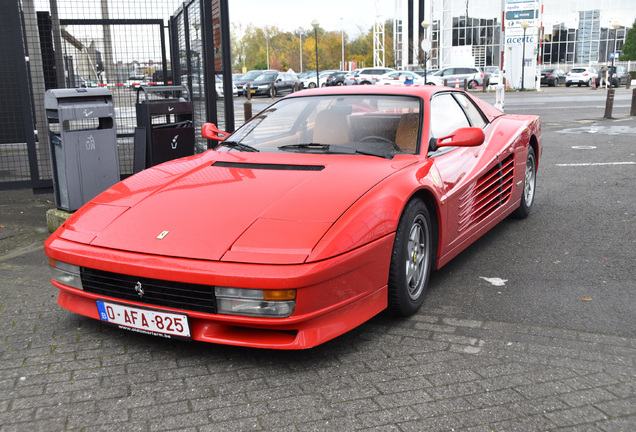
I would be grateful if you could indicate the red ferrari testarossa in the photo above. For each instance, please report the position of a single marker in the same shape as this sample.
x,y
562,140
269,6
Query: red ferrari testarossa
x,y
326,208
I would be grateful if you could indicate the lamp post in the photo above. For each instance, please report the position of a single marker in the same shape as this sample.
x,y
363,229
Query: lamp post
x,y
300,45
315,25
524,25
615,25
342,35
425,45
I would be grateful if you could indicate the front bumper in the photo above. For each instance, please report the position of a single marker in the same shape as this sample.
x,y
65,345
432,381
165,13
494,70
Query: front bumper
x,y
334,296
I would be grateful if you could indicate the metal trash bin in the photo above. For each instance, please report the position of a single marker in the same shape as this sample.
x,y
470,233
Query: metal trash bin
x,y
165,126
83,144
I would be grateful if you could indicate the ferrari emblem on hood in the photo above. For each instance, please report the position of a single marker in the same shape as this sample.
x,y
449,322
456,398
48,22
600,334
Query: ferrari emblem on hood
x,y
162,235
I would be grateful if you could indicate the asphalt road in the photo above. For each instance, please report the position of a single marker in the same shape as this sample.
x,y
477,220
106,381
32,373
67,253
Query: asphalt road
x,y
580,239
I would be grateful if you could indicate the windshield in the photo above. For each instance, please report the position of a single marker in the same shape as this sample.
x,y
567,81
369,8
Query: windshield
x,y
267,77
381,125
251,75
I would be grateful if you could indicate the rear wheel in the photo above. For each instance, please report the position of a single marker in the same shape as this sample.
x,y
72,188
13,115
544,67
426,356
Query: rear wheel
x,y
529,183
568,84
411,260
472,84
589,82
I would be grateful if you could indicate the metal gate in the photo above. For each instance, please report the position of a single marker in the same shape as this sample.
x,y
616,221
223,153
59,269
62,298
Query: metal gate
x,y
46,49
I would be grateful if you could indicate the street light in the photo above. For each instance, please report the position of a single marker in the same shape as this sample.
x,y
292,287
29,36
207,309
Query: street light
x,y
425,44
524,25
616,25
315,25
342,34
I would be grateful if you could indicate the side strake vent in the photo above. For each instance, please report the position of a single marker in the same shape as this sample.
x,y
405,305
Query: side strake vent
x,y
490,192
279,167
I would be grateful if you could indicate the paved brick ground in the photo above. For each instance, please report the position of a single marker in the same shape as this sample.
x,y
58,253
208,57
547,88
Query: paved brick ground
x,y
59,372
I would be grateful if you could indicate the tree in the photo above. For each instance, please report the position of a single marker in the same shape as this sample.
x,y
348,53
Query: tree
x,y
629,47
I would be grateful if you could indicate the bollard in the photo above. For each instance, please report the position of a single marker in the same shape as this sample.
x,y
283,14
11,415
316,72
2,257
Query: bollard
x,y
295,89
629,82
632,112
465,84
247,110
445,82
485,84
609,103
500,92
248,91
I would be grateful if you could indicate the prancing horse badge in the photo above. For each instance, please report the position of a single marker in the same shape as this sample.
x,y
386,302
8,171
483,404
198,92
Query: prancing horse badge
x,y
162,235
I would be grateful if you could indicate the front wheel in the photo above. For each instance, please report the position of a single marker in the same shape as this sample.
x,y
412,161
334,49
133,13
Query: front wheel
x,y
312,85
589,83
411,260
529,183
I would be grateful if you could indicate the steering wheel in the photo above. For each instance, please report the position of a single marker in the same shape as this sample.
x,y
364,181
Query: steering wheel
x,y
381,139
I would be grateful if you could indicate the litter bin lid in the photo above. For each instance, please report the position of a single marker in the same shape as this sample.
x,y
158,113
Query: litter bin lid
x,y
51,97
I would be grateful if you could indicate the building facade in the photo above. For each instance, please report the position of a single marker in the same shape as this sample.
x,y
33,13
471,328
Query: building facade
x,y
478,33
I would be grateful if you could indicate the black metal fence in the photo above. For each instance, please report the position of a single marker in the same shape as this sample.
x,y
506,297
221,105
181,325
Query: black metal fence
x,y
99,43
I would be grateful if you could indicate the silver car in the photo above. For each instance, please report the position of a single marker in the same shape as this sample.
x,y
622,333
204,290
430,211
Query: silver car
x,y
452,75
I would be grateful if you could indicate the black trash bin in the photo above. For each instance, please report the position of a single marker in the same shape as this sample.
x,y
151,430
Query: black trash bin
x,y
165,126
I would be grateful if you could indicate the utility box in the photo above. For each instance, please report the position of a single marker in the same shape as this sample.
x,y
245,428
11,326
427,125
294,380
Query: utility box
x,y
165,125
83,144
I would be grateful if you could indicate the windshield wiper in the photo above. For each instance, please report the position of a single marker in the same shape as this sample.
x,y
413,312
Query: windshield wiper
x,y
238,146
328,148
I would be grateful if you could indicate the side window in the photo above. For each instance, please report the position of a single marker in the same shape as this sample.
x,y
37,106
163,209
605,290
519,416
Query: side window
x,y
474,114
446,116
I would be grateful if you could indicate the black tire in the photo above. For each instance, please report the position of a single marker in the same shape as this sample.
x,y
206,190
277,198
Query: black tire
x,y
312,85
588,83
567,84
271,92
529,186
472,84
411,260
339,83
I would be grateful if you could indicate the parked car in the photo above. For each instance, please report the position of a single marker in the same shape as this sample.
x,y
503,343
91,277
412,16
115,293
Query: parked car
x,y
579,76
198,86
310,79
492,73
398,78
134,82
284,82
473,76
616,75
293,258
335,79
552,77
248,77
367,76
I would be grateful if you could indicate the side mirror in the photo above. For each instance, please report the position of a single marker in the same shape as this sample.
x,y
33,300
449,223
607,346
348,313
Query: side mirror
x,y
210,131
463,137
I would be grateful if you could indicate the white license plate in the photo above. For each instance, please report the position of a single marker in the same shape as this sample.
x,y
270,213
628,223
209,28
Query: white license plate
x,y
147,321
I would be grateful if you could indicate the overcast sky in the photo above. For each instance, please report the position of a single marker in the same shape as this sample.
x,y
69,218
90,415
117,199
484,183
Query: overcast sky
x,y
289,15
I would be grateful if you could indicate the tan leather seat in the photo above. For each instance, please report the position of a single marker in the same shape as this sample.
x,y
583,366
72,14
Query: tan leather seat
x,y
407,132
331,128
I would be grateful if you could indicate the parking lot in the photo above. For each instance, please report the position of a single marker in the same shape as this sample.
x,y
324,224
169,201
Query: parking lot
x,y
531,328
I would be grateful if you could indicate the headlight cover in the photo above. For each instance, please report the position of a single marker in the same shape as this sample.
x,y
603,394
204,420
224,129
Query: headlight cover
x,y
255,302
66,274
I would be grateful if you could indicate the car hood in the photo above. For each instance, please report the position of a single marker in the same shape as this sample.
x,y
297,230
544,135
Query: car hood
x,y
230,206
